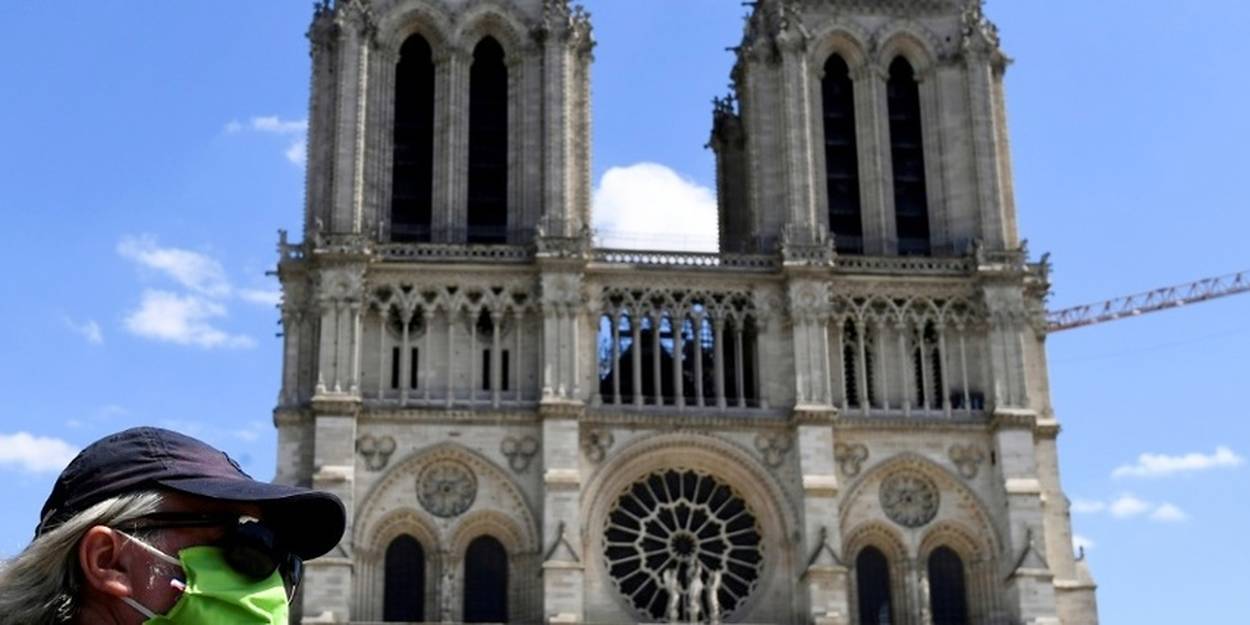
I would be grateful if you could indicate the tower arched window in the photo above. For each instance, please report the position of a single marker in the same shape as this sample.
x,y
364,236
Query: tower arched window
x,y
842,157
412,179
485,581
872,583
404,586
911,203
948,594
488,145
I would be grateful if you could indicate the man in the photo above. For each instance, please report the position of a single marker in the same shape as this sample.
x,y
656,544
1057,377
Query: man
x,y
151,526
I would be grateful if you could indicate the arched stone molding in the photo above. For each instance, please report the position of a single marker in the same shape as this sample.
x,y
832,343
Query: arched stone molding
x,y
844,38
734,466
911,40
522,560
496,492
982,579
416,17
958,505
887,539
492,18
370,552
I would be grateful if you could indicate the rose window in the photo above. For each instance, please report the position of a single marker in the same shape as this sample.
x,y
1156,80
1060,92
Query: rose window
x,y
671,520
909,499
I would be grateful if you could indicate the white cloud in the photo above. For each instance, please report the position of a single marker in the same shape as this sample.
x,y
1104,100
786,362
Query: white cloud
x,y
277,125
251,432
297,152
35,454
89,330
183,320
1168,513
292,129
1161,465
260,296
1082,543
195,271
1087,506
650,206
1127,506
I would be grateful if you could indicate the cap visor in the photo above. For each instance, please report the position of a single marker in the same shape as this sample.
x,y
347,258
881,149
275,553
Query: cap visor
x,y
309,522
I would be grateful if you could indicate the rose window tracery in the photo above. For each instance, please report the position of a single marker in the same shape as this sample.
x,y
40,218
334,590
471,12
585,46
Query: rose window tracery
x,y
446,488
909,499
671,519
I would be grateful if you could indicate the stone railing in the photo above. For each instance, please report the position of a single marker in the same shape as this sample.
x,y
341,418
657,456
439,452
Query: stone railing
x,y
452,252
710,260
903,264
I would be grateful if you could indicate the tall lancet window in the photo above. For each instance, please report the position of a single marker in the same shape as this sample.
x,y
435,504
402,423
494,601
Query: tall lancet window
x,y
403,591
488,145
412,180
872,584
948,593
911,204
842,158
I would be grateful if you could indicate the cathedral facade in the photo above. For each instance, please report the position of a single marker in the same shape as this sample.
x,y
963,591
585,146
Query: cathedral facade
x,y
843,416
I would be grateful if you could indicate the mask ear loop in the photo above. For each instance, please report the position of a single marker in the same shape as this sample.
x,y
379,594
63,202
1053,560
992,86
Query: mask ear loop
x,y
177,584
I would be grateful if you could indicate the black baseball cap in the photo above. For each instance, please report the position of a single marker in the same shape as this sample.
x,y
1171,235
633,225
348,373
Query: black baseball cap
x,y
308,522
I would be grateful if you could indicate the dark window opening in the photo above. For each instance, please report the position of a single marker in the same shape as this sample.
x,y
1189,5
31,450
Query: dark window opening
x,y
412,178
488,145
948,596
394,367
414,363
404,583
485,582
911,203
487,377
842,158
872,581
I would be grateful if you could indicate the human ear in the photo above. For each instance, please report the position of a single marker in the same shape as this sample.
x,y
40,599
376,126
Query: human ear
x,y
100,559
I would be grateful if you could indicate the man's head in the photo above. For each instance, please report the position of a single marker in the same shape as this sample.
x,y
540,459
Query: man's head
x,y
133,515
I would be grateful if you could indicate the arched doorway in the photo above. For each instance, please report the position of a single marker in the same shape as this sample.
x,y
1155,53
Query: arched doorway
x,y
404,586
485,581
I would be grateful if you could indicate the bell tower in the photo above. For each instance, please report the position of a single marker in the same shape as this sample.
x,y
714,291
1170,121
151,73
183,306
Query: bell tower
x,y
879,126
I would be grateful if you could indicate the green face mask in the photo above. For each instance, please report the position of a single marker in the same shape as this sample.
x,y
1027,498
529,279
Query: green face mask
x,y
215,594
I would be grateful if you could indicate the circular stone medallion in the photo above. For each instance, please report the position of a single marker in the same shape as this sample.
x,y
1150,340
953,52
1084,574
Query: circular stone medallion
x,y
909,499
446,488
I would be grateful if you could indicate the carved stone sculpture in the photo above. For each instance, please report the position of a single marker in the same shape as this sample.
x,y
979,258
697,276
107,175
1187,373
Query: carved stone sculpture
x,y
694,594
672,585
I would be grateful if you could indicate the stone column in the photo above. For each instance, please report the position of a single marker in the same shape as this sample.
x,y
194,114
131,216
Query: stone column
x,y
1030,591
875,170
562,567
825,576
356,31
327,586
800,184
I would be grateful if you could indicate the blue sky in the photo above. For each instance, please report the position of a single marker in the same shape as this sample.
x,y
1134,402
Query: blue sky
x,y
149,151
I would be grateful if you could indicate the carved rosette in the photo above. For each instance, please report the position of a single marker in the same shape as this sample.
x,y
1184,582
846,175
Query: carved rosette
x,y
519,451
909,499
446,488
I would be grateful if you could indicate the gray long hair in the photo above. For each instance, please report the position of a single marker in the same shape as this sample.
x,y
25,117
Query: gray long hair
x,y
41,585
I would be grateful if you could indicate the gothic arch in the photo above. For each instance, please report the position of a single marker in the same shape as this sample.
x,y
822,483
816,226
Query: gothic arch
x,y
874,534
959,506
911,40
507,500
955,536
842,38
488,523
370,552
492,18
416,17
728,462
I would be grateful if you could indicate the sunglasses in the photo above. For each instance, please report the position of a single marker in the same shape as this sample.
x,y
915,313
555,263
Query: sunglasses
x,y
250,548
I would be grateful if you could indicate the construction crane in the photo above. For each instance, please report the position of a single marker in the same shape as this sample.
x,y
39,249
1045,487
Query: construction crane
x,y
1148,302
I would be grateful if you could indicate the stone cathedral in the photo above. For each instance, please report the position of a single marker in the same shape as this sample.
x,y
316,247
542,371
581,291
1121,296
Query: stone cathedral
x,y
842,417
